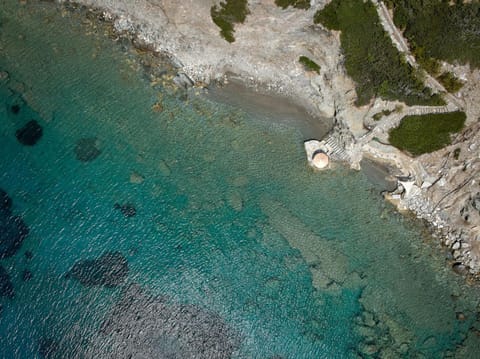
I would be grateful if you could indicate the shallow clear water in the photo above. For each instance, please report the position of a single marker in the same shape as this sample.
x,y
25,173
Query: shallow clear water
x,y
229,220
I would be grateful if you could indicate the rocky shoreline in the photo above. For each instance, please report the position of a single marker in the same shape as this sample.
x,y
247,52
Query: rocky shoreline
x,y
440,188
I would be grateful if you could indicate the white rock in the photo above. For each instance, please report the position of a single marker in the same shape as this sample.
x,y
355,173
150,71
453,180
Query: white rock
x,y
426,184
123,24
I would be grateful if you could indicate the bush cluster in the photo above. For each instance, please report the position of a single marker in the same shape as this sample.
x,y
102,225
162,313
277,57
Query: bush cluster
x,y
309,64
227,14
299,4
426,133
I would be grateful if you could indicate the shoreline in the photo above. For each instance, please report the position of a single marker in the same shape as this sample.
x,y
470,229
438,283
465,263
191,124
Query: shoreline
x,y
206,58
267,106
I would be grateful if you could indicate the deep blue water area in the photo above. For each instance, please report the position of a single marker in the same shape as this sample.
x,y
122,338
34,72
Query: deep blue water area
x,y
158,223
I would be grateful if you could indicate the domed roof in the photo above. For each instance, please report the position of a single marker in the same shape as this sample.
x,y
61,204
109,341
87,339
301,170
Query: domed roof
x,y
320,159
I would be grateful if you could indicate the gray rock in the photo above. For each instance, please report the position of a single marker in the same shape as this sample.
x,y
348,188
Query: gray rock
x,y
459,268
476,201
183,81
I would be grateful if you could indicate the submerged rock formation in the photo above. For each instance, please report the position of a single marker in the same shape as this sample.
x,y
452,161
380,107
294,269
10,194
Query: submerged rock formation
x,y
86,149
13,229
27,275
29,134
5,201
143,326
6,286
109,270
47,348
15,109
127,209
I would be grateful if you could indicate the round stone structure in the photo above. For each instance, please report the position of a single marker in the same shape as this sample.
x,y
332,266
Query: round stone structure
x,y
320,159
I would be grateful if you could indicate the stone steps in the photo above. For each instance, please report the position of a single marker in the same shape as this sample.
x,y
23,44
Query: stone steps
x,y
334,149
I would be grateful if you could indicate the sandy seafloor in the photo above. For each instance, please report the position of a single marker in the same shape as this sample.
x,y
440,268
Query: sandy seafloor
x,y
235,249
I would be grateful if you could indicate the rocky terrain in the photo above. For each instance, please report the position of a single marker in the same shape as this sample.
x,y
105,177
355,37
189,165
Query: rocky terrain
x,y
441,187
265,52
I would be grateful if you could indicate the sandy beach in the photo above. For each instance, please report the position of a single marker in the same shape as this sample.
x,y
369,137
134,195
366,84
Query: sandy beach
x,y
267,106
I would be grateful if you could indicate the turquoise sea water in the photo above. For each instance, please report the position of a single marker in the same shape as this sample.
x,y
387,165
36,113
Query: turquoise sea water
x,y
234,241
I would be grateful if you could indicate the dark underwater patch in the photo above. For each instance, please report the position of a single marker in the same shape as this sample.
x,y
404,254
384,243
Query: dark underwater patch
x,y
47,348
127,209
13,229
147,326
5,201
15,109
109,270
27,275
86,149
29,134
6,286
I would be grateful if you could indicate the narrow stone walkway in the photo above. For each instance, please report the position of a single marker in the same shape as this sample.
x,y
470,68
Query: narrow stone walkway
x,y
401,44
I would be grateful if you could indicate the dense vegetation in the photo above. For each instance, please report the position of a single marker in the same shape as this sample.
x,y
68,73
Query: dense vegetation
x,y
227,14
450,82
426,133
434,68
309,64
445,30
299,4
371,59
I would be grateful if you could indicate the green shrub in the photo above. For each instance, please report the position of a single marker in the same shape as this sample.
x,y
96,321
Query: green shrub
x,y
379,115
371,59
450,82
309,64
230,12
429,64
426,133
456,153
299,4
